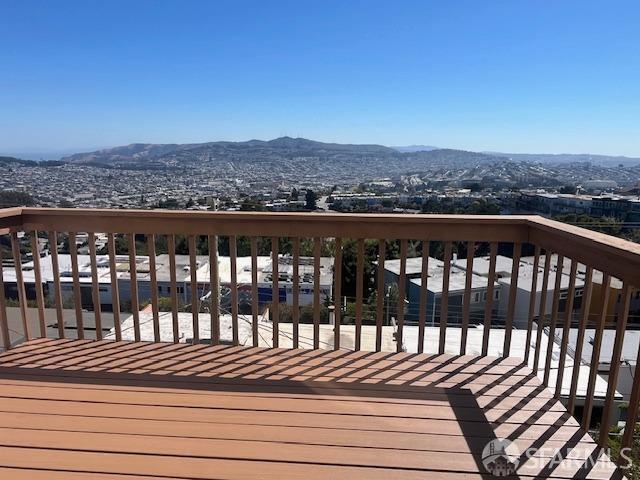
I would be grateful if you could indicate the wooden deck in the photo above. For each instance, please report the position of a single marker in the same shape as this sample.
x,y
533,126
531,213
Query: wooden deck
x,y
72,409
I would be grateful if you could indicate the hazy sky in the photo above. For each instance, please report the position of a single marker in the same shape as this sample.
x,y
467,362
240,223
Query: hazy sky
x,y
517,76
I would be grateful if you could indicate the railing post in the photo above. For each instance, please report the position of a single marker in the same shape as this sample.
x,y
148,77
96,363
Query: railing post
x,y
532,303
359,293
22,295
214,285
115,290
254,294
542,310
424,276
466,300
444,298
595,354
554,319
316,292
337,293
614,368
233,259
57,292
35,251
133,283
566,328
97,308
488,307
584,321
151,248
171,245
77,296
513,291
4,322
275,292
195,296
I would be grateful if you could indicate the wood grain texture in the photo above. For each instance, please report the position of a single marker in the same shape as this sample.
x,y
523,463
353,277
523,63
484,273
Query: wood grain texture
x,y
138,410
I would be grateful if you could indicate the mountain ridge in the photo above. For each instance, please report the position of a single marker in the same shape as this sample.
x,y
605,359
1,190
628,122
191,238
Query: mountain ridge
x,y
289,147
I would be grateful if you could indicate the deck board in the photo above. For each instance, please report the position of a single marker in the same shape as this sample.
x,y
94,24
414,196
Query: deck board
x,y
159,410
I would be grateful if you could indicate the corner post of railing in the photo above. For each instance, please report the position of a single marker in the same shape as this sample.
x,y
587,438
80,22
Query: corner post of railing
x,y
11,222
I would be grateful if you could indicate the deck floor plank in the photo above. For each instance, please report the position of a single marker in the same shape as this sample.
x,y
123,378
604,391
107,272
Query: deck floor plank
x,y
86,409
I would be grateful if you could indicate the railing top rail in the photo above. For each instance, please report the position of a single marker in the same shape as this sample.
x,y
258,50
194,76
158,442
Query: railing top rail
x,y
9,218
434,227
616,256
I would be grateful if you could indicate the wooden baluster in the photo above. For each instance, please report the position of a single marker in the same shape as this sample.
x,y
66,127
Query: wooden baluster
x,y
75,272
233,258
151,247
401,294
115,291
513,291
22,294
614,368
95,286
595,357
316,292
542,310
444,299
133,275
634,406
171,246
584,320
214,285
424,278
4,322
337,293
195,296
254,290
381,294
275,292
566,327
359,293
488,306
554,319
533,296
296,292
38,283
466,300
57,292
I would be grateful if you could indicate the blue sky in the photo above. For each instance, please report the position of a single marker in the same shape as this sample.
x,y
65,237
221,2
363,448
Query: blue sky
x,y
516,76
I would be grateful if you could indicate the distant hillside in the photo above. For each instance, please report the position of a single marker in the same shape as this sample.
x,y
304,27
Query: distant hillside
x,y
415,148
145,155
253,149
8,161
570,158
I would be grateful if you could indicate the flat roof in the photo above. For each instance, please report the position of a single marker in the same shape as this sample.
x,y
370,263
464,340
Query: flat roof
x,y
496,344
435,272
163,271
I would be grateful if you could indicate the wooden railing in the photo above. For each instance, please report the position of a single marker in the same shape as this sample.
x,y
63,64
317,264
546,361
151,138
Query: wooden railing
x,y
554,249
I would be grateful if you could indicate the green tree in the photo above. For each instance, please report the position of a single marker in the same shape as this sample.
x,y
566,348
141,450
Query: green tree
x,y
310,199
